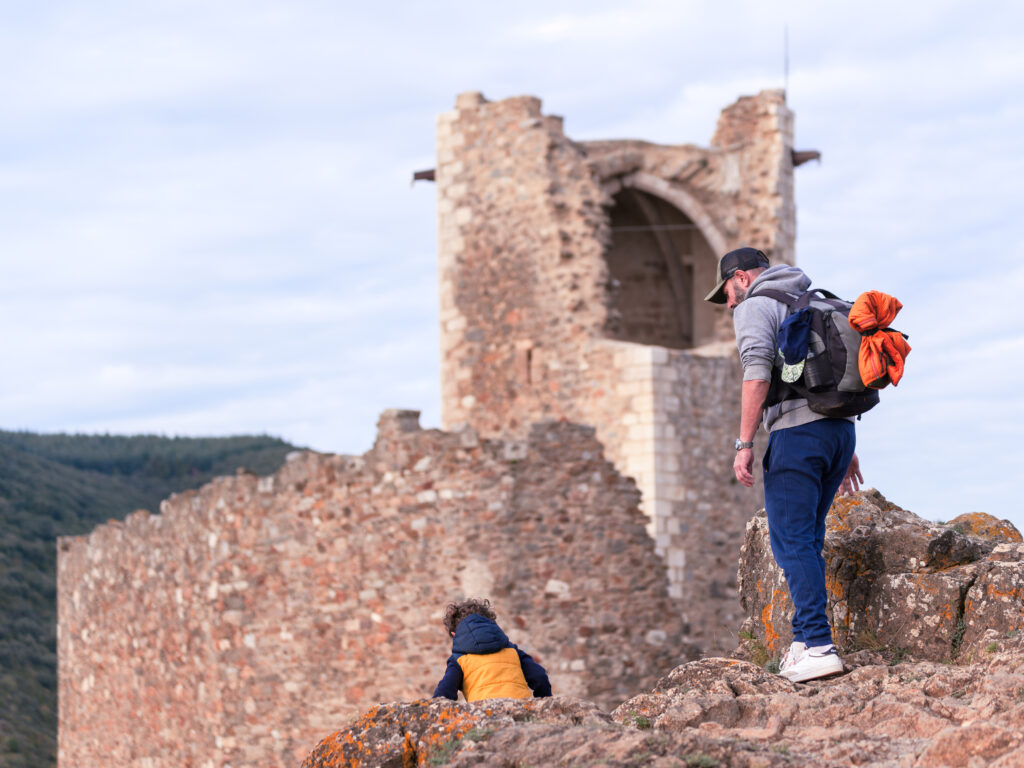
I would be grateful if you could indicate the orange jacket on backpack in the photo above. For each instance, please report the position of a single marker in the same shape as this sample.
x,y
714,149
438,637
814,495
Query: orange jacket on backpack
x,y
882,350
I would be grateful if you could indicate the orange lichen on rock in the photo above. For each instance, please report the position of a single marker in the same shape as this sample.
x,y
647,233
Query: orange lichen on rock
x,y
393,729
409,753
771,637
839,513
451,725
993,590
833,585
984,526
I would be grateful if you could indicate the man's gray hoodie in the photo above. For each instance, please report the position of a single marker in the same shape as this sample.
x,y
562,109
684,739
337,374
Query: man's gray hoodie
x,y
757,320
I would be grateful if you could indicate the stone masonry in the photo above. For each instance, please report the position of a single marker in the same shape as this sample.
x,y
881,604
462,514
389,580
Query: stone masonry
x,y
572,278
254,615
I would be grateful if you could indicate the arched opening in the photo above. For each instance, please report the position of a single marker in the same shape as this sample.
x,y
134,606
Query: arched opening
x,y
663,267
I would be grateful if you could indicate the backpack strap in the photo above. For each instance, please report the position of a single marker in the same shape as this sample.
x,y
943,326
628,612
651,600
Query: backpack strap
x,y
824,294
778,390
772,293
793,302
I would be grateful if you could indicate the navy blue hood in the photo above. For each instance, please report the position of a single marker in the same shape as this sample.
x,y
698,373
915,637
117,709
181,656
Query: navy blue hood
x,y
478,634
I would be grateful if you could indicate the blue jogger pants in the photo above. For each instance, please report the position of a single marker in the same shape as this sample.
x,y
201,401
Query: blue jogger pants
x,y
803,468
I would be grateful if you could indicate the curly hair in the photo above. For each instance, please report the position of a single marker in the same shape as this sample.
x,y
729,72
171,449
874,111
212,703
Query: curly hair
x,y
456,612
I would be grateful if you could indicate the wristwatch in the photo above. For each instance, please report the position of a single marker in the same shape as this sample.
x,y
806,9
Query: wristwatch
x,y
740,445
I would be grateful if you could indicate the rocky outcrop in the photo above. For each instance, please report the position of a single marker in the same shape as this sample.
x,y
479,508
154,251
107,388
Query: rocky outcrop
x,y
720,712
908,597
897,583
509,733
911,714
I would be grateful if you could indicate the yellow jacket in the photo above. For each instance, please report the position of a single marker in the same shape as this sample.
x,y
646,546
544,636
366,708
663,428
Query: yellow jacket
x,y
496,675
485,665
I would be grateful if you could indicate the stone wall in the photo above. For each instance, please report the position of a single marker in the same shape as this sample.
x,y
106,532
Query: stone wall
x,y
252,616
700,510
668,420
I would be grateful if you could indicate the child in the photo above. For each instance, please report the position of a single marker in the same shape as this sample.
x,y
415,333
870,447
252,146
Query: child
x,y
484,664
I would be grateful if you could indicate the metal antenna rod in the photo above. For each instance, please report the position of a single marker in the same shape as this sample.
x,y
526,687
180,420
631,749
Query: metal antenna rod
x,y
785,57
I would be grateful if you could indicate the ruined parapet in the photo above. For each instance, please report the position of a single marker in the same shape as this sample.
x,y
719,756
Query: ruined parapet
x,y
572,278
755,137
522,279
897,583
254,615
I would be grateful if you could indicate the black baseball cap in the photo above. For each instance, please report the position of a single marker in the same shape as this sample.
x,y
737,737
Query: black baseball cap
x,y
741,258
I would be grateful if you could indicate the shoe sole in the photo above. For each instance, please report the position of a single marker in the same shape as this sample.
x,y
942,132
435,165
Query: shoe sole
x,y
816,675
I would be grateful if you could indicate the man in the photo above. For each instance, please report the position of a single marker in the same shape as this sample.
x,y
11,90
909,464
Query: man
x,y
809,456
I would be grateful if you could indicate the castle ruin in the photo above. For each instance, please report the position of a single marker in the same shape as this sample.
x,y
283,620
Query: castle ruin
x,y
582,478
572,278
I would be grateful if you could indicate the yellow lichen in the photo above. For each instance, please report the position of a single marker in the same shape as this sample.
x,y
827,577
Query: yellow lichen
x,y
984,526
834,586
771,637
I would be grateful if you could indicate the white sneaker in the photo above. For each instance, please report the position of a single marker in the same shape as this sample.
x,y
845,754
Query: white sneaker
x,y
819,661
793,655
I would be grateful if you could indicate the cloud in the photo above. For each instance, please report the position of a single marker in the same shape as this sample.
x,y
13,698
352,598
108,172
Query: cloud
x,y
206,225
617,27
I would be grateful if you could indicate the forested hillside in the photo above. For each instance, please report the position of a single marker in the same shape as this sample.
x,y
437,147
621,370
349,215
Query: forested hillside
x,y
64,485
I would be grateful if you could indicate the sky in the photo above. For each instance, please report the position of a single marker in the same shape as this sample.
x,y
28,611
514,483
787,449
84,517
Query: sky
x,y
207,225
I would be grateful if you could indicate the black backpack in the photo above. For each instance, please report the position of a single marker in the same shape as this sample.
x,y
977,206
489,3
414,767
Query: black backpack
x,y
830,381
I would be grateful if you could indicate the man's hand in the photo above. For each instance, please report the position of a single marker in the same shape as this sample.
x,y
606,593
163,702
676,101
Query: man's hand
x,y
852,479
752,394
743,466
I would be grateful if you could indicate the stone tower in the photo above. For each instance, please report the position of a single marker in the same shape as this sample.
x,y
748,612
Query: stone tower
x,y
572,277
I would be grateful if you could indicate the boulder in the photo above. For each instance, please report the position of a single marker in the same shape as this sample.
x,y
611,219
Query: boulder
x,y
896,583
